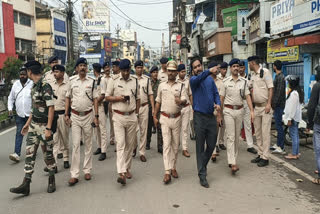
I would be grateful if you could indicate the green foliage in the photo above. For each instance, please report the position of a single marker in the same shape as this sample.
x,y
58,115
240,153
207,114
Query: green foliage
x,y
10,71
46,68
70,67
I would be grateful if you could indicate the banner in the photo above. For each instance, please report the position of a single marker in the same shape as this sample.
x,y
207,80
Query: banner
x,y
242,26
189,13
284,54
281,19
95,16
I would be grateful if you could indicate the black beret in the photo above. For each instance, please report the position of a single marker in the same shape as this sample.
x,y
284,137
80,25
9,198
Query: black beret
x,y
32,63
125,64
212,64
53,58
251,58
153,69
234,61
96,67
164,60
224,65
106,64
59,68
242,63
181,67
116,63
138,63
23,68
81,60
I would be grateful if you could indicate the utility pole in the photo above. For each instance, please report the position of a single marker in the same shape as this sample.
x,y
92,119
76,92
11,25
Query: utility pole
x,y
118,29
70,15
184,48
162,45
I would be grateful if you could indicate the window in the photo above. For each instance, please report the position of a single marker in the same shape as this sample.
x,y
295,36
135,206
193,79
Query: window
x,y
17,45
26,45
15,15
25,19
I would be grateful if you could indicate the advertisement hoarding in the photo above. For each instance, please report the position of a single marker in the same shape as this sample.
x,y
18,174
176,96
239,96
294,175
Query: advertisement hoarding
x,y
189,13
281,19
242,25
95,16
306,17
127,35
284,54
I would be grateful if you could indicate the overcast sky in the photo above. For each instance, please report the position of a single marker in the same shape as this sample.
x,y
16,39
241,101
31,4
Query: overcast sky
x,y
153,16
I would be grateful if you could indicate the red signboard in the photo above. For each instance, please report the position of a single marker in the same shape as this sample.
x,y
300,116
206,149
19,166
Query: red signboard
x,y
178,40
108,45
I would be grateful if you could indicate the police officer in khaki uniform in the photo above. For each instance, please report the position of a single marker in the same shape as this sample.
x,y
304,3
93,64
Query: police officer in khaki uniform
x,y
223,69
186,110
171,98
101,131
123,91
61,138
146,94
163,74
262,89
80,96
49,76
234,91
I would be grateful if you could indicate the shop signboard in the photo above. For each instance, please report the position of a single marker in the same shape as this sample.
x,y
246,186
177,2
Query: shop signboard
x,y
281,16
242,25
282,53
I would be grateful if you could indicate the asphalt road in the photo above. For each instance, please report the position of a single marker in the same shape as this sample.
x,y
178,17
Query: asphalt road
x,y
273,189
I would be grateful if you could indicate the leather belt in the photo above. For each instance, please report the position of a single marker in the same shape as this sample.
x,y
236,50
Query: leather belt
x,y
260,104
60,112
123,113
171,115
144,104
185,105
235,107
84,113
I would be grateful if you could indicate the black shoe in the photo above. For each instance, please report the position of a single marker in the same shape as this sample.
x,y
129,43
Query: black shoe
x,y
252,150
102,157
81,143
148,146
47,170
263,163
204,182
217,149
160,151
60,156
24,188
51,184
66,164
256,160
98,151
134,152
222,147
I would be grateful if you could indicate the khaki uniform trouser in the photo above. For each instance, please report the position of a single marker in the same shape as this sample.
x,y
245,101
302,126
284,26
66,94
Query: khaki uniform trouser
x,y
101,131
185,118
125,128
81,125
262,125
61,139
112,138
171,133
247,125
233,121
143,127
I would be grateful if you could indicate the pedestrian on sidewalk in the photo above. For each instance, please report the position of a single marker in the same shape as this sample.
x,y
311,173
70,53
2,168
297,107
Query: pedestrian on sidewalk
x,y
278,104
293,114
205,100
20,98
314,121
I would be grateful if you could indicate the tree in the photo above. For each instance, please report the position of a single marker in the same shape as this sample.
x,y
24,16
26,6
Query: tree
x,y
70,67
10,71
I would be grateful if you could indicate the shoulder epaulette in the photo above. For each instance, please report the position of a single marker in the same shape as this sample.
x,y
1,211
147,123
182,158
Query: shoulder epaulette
x,y
228,78
116,76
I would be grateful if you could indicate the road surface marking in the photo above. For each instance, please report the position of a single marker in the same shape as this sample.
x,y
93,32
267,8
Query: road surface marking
x,y
8,130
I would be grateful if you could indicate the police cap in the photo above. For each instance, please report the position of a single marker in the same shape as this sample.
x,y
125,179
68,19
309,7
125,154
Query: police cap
x,y
81,60
153,69
138,63
59,68
224,65
96,67
106,64
125,64
212,64
234,61
164,60
52,59
181,67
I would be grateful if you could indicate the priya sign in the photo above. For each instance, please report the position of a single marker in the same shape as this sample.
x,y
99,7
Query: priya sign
x,y
281,16
306,17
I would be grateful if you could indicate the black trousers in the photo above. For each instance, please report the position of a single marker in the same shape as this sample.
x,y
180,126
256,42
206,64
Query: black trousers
x,y
205,126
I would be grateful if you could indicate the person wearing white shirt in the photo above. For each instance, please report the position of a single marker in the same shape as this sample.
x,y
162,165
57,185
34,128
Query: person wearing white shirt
x,y
20,97
293,114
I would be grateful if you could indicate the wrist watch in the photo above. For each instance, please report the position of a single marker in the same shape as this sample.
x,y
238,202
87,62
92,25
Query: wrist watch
x,y
49,129
97,115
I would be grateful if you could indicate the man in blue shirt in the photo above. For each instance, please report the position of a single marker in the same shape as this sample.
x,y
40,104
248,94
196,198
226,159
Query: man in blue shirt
x,y
205,100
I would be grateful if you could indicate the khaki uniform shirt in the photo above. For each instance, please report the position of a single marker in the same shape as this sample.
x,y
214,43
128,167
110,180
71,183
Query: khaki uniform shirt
x,y
49,77
219,76
60,90
145,88
234,91
261,85
120,87
101,87
162,76
187,87
81,93
166,96
219,84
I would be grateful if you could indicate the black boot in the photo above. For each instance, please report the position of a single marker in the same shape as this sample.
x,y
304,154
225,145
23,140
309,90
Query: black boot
x,y
102,157
66,164
51,184
148,146
98,151
24,188
47,170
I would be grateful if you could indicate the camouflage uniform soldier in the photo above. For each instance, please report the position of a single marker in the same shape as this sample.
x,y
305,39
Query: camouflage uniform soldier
x,y
40,122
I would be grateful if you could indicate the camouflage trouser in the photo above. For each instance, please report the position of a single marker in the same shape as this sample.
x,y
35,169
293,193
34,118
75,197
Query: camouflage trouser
x,y
34,139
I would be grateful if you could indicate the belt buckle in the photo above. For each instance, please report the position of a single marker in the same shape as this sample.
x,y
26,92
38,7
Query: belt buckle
x,y
82,113
126,113
171,115
235,107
